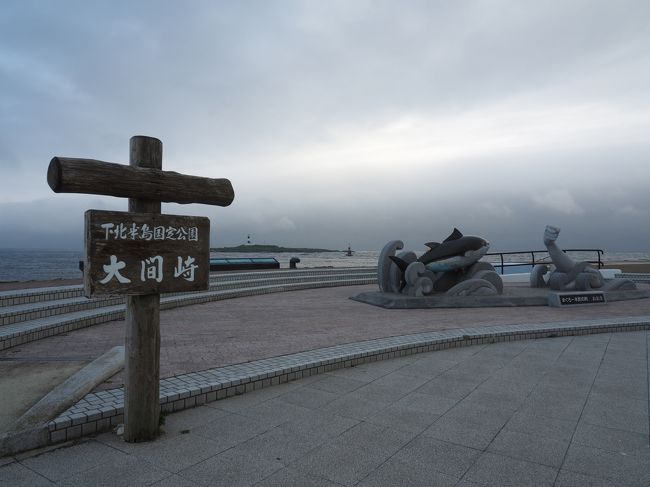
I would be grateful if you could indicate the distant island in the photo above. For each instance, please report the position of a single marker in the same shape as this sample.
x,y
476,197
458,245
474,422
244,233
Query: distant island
x,y
269,249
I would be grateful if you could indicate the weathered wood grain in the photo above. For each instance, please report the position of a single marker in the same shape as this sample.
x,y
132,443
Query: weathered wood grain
x,y
147,247
89,176
142,356
142,368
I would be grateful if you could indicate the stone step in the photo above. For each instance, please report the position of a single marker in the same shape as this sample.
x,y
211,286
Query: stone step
x,y
26,296
23,296
634,276
10,315
25,312
27,331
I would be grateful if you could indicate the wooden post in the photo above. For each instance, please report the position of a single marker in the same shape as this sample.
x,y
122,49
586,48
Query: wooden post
x,y
142,357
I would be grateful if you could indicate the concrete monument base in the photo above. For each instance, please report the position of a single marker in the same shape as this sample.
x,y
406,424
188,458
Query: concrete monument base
x,y
513,295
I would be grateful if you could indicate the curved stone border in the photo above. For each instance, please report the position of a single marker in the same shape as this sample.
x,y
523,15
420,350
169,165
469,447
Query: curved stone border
x,y
15,297
50,304
26,331
100,411
635,276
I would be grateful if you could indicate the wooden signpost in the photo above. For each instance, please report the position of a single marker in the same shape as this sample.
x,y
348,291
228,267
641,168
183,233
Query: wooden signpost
x,y
141,253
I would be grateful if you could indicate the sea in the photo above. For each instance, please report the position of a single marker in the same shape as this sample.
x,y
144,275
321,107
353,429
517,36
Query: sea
x,y
38,265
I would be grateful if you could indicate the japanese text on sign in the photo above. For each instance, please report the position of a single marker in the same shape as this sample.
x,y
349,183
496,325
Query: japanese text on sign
x,y
133,231
145,253
150,268
582,299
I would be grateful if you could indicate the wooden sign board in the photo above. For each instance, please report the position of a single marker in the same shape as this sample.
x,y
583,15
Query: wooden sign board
x,y
145,253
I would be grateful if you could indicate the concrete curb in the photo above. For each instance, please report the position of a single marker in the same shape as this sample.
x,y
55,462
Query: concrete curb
x,y
100,411
19,441
31,430
73,389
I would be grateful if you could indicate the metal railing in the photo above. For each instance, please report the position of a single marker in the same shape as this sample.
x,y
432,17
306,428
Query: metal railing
x,y
544,260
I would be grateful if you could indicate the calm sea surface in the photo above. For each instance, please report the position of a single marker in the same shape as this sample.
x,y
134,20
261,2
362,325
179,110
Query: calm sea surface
x,y
29,265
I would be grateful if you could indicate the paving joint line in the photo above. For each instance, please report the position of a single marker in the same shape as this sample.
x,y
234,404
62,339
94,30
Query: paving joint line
x,y
100,411
582,410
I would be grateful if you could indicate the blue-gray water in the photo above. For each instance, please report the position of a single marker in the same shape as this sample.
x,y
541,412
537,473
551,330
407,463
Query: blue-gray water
x,y
29,265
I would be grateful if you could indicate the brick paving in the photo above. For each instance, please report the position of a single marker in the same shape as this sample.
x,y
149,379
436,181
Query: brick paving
x,y
240,330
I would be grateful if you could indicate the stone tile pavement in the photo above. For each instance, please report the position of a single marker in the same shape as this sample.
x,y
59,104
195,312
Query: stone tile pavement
x,y
563,411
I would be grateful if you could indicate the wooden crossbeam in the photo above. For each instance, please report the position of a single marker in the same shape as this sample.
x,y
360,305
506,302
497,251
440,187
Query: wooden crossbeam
x,y
89,176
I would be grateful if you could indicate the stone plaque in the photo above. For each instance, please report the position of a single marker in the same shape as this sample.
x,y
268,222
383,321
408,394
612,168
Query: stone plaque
x,y
559,299
145,253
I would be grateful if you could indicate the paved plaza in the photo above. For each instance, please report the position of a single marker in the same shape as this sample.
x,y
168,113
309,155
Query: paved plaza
x,y
239,330
564,411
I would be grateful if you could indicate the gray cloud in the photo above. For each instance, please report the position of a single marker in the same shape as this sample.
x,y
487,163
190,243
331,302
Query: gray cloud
x,y
340,121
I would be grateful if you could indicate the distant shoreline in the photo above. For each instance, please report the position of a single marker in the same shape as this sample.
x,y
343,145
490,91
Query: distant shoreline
x,y
36,283
269,249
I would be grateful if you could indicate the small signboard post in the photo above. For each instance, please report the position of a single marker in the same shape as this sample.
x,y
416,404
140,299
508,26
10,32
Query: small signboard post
x,y
575,298
141,253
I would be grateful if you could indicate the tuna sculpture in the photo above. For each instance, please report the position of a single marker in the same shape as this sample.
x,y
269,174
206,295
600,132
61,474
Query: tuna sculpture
x,y
451,267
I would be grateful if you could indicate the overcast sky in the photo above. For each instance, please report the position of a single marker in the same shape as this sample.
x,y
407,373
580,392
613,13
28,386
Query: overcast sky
x,y
339,121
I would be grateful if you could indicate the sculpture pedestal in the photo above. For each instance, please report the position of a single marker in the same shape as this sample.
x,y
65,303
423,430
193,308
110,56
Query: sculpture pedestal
x,y
513,295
